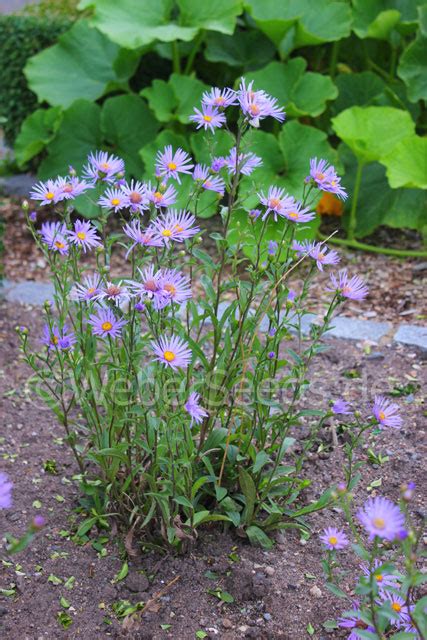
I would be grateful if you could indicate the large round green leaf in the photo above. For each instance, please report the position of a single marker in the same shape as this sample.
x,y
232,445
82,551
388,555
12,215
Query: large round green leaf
x,y
176,99
80,65
377,18
162,100
78,134
409,210
372,132
357,89
127,125
248,49
308,22
301,92
213,16
134,24
407,163
413,69
37,130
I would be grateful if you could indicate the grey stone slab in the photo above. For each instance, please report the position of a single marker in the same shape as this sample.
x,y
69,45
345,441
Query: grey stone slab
x,y
19,185
353,329
412,335
27,292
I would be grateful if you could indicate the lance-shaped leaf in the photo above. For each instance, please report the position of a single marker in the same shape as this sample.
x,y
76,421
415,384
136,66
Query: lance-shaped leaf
x,y
407,163
301,92
413,69
81,65
372,132
37,130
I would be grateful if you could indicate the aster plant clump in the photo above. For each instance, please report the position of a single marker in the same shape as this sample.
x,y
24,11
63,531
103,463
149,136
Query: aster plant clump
x,y
387,598
183,408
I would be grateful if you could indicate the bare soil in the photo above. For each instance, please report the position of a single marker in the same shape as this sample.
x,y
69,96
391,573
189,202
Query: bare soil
x,y
277,594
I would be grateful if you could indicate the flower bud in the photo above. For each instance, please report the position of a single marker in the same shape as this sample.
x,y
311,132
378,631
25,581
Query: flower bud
x,y
33,216
181,253
38,522
25,205
47,305
100,249
407,491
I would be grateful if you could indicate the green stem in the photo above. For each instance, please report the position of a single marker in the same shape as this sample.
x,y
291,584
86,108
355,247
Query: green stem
x,y
352,223
196,46
334,58
176,60
355,244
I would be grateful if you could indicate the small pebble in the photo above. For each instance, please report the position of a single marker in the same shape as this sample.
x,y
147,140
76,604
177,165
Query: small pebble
x,y
315,591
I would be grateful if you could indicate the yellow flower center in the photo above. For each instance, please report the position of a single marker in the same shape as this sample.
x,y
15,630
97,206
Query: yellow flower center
x,y
158,195
115,202
106,326
170,289
333,183
254,109
169,356
293,214
55,339
220,100
381,415
81,235
50,195
91,290
333,540
274,202
167,233
59,244
178,229
321,257
396,607
207,118
379,578
379,523
172,166
105,166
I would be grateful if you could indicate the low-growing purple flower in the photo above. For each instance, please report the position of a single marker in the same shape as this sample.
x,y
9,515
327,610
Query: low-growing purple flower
x,y
173,352
208,118
382,518
5,491
46,192
334,538
219,98
135,196
192,406
84,235
342,407
87,290
113,199
54,234
257,105
142,237
398,606
383,580
176,225
164,198
353,288
170,164
102,166
56,338
105,324
326,177
386,413
245,163
354,622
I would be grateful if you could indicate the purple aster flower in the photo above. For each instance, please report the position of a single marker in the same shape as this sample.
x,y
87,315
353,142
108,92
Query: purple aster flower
x,y
170,164
341,407
334,538
272,248
55,338
172,352
163,198
381,517
102,166
140,306
257,105
88,290
386,413
118,293
174,287
105,324
47,192
193,407
353,288
176,225
271,355
408,625
141,237
353,620
218,163
5,491
254,214
208,118
318,252
72,187
272,332
113,199
211,183
398,606
135,196
84,235
54,234
291,296
383,580
33,216
326,178
246,162
276,201
295,213
403,534
219,98
38,522
150,284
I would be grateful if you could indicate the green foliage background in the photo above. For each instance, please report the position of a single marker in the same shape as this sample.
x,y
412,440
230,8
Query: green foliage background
x,y
351,75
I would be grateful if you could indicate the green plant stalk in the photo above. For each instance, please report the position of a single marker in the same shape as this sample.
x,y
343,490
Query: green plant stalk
x,y
355,244
353,220
196,46
176,60
334,58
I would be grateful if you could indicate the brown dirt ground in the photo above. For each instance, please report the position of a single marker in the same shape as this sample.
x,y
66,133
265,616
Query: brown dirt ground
x,y
277,593
397,286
